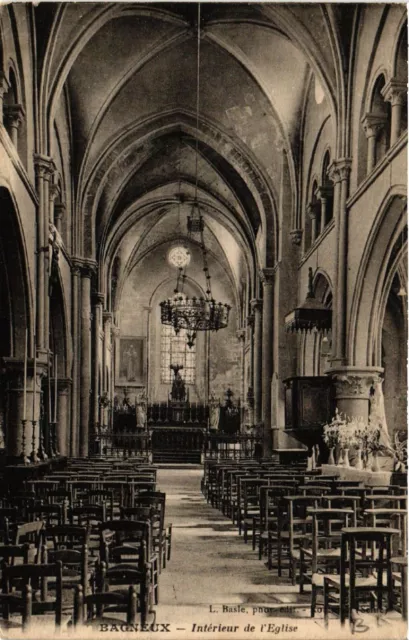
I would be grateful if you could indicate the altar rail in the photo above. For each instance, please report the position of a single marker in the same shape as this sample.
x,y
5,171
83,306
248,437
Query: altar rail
x,y
122,444
219,446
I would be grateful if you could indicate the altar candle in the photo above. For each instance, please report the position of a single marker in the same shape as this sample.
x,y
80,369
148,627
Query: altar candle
x,y
55,388
25,378
34,376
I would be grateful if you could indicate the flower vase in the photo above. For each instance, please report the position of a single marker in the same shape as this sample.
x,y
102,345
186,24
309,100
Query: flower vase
x,y
340,462
375,462
346,457
331,459
359,462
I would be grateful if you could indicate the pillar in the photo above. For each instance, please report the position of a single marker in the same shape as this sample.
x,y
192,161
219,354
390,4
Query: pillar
x,y
14,117
76,280
372,124
267,277
324,194
352,387
85,364
339,172
241,335
313,216
63,411
98,305
395,92
44,168
256,306
15,406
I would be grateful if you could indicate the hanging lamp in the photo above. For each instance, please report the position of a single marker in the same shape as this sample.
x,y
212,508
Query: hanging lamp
x,y
181,311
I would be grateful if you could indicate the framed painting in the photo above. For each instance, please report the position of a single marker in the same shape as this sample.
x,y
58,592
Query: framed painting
x,y
131,361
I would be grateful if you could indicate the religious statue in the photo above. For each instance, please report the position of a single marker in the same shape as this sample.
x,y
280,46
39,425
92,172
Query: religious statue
x,y
140,410
178,392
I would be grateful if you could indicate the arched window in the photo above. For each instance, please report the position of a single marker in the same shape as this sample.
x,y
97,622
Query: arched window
x,y
401,74
381,110
174,350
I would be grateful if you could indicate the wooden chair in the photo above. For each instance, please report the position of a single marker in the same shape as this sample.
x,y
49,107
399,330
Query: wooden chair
x,y
294,523
362,572
400,580
50,514
130,542
322,552
32,577
9,517
89,610
30,532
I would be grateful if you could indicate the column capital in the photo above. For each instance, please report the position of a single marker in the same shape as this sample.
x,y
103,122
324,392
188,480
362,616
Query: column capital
x,y
44,166
354,382
296,236
267,274
85,266
14,114
395,91
115,330
64,385
339,170
107,317
323,193
256,304
373,123
241,335
98,298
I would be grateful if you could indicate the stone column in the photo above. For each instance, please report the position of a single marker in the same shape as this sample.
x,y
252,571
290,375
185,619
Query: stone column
x,y
241,335
4,87
44,168
267,277
372,124
63,410
323,194
85,367
98,305
352,387
256,306
76,276
313,216
340,171
14,116
59,212
14,375
395,92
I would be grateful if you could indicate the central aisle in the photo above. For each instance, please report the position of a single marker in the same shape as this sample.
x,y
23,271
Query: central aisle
x,y
212,572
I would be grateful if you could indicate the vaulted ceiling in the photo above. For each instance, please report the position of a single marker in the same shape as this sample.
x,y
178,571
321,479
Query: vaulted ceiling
x,y
130,72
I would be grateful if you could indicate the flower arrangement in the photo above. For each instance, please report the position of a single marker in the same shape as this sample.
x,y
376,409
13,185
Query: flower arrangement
x,y
331,430
368,437
400,451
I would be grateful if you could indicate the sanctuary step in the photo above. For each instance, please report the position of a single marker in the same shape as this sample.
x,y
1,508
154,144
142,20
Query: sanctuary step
x,y
179,456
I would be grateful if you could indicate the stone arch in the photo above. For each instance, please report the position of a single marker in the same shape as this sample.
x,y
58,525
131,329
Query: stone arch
x,y
374,269
59,342
314,355
232,152
15,276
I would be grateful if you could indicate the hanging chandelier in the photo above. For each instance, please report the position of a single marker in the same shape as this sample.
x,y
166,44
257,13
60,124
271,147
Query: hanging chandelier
x,y
193,313
312,315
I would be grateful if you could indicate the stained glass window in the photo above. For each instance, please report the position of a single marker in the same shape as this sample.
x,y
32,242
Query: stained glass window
x,y
174,350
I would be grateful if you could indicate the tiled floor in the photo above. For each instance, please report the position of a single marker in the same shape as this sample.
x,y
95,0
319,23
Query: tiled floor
x,y
213,578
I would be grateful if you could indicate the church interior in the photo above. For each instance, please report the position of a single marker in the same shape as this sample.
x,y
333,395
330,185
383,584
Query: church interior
x,y
203,302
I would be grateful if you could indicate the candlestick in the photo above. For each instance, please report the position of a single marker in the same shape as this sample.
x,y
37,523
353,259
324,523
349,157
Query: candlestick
x,y
25,379
55,388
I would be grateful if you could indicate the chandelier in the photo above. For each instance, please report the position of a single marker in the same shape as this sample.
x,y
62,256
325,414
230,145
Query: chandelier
x,y
195,313
312,315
